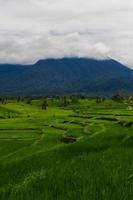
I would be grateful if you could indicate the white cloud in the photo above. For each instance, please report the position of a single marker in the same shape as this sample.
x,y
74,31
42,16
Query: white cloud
x,y
34,29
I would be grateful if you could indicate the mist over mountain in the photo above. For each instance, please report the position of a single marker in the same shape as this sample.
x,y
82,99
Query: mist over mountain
x,y
66,76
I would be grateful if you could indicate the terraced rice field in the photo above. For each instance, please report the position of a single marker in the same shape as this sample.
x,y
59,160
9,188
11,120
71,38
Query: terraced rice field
x,y
36,164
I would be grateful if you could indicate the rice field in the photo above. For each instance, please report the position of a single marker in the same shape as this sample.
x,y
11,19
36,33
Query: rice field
x,y
40,161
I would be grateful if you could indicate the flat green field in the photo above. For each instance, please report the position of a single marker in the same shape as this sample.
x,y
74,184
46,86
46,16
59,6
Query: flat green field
x,y
35,163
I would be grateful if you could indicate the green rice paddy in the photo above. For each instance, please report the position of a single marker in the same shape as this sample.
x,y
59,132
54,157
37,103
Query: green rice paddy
x,y
35,163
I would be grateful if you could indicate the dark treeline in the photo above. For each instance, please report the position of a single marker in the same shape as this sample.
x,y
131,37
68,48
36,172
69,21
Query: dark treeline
x,y
65,99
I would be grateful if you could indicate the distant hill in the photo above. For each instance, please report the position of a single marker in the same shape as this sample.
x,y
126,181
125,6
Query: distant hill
x,y
66,76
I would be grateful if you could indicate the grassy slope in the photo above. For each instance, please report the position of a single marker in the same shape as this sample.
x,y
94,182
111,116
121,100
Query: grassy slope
x,y
36,165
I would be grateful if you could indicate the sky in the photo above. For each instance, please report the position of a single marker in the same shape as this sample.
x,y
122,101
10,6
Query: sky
x,y
37,29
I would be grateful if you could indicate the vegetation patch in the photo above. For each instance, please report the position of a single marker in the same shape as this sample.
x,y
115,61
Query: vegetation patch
x,y
59,127
128,142
107,118
127,124
68,139
80,152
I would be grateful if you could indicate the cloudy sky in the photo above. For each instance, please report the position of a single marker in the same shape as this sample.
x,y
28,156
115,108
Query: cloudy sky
x,y
36,29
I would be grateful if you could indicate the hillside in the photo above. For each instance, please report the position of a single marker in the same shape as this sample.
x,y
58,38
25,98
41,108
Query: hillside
x,y
37,164
65,76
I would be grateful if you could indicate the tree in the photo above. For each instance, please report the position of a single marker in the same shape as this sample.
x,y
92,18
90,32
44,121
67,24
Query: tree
x,y
3,101
44,104
99,99
131,99
28,101
64,101
118,98
18,99
74,99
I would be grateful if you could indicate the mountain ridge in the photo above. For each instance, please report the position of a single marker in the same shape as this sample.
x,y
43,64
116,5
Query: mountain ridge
x,y
66,76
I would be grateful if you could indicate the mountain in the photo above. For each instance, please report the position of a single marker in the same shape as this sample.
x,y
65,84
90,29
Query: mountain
x,y
66,76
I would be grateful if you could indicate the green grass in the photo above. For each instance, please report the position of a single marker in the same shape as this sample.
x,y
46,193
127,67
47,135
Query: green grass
x,y
36,165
